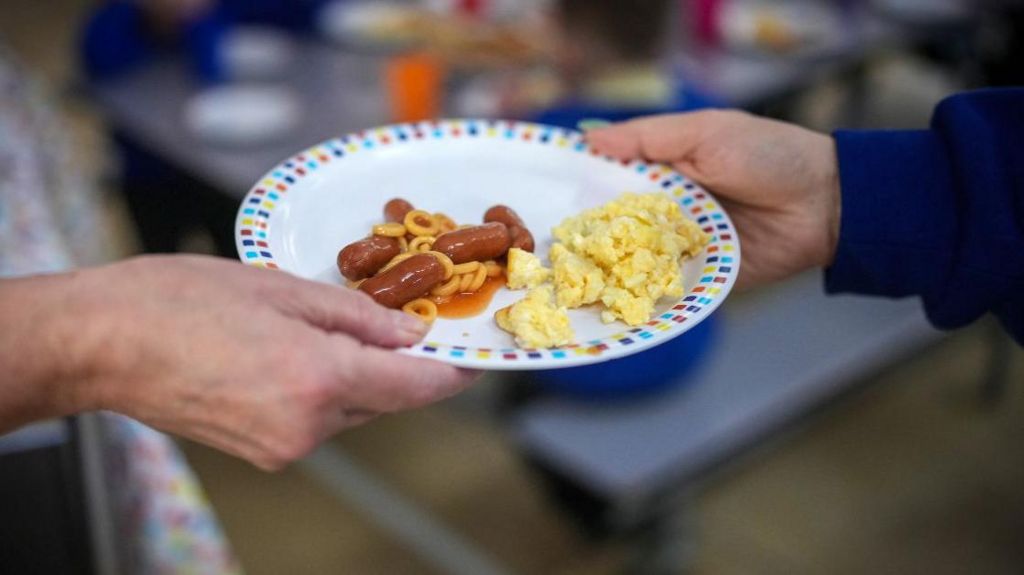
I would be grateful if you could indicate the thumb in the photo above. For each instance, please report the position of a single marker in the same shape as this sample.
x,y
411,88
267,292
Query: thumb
x,y
336,309
668,138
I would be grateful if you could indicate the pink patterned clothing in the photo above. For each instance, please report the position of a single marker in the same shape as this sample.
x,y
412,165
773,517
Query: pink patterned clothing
x,y
49,222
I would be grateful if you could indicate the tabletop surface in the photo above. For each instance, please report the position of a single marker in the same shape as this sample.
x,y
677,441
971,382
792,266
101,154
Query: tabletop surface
x,y
747,79
339,93
778,355
39,435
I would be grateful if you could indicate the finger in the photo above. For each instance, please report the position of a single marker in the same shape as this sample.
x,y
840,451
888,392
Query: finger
x,y
385,381
226,441
665,138
357,418
338,309
341,419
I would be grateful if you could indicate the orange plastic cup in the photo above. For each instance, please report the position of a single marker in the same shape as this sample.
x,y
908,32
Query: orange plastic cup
x,y
415,86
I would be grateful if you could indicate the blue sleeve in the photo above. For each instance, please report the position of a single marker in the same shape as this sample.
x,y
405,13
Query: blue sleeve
x,y
298,16
203,37
938,213
202,40
114,40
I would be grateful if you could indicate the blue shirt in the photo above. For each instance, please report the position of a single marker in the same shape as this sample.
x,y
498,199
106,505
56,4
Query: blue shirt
x,y
116,37
939,213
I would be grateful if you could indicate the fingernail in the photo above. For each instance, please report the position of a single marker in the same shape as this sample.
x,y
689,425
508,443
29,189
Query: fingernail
x,y
409,324
588,124
592,124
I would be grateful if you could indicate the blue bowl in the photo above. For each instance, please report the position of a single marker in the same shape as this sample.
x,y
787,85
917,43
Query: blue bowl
x,y
658,369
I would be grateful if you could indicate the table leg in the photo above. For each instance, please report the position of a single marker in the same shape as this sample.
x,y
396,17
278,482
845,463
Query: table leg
x,y
997,373
666,541
45,524
854,112
96,490
661,532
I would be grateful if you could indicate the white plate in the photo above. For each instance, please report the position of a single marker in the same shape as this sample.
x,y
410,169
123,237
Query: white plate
x,y
242,115
368,23
257,52
305,210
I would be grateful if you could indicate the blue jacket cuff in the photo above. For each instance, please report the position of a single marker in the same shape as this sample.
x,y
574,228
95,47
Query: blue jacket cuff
x,y
898,227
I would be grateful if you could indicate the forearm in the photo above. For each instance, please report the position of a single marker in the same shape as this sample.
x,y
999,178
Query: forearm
x,y
937,213
43,369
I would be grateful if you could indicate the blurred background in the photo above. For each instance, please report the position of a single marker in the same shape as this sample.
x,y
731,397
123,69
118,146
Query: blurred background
x,y
794,434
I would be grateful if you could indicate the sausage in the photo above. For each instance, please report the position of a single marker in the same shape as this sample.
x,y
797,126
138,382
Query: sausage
x,y
395,210
505,215
408,280
362,259
477,244
521,236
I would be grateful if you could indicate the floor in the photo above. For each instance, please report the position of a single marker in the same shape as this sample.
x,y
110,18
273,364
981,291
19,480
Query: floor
x,y
912,475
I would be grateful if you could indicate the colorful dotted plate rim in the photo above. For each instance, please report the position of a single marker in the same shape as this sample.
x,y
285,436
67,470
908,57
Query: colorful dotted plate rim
x,y
721,256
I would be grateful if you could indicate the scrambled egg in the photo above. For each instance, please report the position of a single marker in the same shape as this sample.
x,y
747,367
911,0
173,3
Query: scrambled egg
x,y
625,254
525,270
536,321
578,281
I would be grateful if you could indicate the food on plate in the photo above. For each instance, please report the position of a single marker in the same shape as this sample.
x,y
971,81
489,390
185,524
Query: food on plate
x,y
419,223
536,321
521,236
477,243
624,255
636,241
525,270
395,210
578,281
362,259
422,308
774,33
426,264
409,279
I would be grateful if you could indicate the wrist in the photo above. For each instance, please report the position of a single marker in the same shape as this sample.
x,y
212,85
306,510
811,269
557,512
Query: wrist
x,y
43,365
826,194
834,209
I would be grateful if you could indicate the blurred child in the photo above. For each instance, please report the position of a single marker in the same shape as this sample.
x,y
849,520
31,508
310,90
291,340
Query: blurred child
x,y
124,34
610,56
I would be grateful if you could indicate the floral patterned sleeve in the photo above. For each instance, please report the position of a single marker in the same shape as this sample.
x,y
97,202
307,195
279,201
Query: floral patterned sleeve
x,y
49,222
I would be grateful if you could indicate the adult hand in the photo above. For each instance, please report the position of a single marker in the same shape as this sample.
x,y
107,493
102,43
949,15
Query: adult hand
x,y
779,182
256,363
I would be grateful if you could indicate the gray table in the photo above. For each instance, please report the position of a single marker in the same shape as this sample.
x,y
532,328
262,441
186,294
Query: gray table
x,y
754,80
41,435
781,354
339,92
750,80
